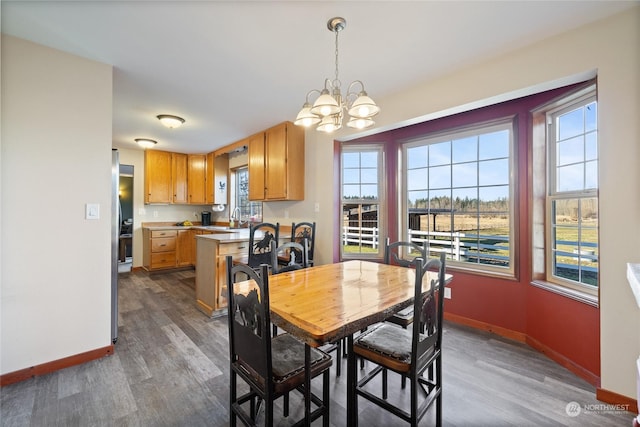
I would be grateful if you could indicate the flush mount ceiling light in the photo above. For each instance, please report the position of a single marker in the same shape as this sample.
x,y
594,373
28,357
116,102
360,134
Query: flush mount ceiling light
x,y
329,107
145,142
170,121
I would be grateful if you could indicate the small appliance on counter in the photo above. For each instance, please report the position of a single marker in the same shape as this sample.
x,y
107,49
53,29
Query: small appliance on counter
x,y
206,218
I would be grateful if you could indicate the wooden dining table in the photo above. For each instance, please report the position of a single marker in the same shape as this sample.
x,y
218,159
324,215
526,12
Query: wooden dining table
x,y
325,303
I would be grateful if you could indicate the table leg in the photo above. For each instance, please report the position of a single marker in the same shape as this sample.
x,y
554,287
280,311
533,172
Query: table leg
x,y
352,417
307,385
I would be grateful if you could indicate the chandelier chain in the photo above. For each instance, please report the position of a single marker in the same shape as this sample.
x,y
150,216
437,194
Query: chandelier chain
x,y
336,80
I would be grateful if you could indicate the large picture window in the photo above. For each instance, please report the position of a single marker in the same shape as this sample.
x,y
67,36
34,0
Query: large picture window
x,y
362,196
249,211
458,187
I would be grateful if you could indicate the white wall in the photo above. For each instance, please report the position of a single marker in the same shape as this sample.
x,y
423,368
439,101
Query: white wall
x,y
612,49
56,156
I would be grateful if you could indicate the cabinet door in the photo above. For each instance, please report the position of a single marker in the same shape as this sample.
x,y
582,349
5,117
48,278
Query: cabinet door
x,y
179,177
184,248
276,163
196,178
157,176
256,167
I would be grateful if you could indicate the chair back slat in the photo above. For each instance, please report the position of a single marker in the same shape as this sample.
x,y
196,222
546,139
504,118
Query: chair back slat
x,y
260,237
305,230
296,253
403,253
248,317
427,330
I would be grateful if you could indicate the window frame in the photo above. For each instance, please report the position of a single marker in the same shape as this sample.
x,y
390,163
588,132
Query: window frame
x,y
235,196
380,148
543,178
456,133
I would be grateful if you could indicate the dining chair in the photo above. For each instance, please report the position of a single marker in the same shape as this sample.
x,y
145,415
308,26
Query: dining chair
x,y
288,257
260,237
403,253
270,366
302,231
409,352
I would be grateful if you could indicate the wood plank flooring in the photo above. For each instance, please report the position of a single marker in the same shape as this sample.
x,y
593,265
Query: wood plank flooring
x,y
170,368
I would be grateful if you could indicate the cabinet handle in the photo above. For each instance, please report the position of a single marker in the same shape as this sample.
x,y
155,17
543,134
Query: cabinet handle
x,y
164,244
241,247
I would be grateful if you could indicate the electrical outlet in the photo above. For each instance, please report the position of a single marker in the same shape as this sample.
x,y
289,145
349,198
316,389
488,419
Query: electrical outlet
x,y
447,293
142,211
286,213
155,214
317,207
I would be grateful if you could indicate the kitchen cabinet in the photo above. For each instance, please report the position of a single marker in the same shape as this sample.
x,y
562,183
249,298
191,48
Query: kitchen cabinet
x,y
157,177
276,164
159,249
196,178
185,253
179,178
256,162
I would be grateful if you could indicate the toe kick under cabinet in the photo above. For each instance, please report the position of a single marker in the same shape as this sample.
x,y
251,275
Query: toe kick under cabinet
x,y
211,280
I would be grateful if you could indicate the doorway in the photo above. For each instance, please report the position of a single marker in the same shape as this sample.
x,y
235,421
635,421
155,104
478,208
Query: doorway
x,y
125,193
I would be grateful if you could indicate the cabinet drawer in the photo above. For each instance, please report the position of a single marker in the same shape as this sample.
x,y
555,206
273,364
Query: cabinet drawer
x,y
163,233
163,259
163,244
233,248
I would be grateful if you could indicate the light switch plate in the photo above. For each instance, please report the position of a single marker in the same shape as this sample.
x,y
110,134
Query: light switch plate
x,y
92,211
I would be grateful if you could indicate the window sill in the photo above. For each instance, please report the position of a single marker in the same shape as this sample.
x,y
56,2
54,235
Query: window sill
x,y
576,295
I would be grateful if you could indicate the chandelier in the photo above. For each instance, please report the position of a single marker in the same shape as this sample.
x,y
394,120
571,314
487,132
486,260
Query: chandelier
x,y
328,110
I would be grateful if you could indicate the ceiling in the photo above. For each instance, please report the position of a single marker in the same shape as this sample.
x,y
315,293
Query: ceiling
x,y
233,68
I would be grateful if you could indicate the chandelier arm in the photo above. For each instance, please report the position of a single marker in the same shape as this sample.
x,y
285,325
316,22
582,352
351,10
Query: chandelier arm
x,y
349,92
309,94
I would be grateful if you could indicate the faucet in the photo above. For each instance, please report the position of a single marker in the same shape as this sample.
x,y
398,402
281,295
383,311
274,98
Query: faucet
x,y
237,218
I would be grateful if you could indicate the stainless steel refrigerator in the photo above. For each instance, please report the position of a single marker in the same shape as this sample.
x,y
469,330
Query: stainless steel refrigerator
x,y
115,236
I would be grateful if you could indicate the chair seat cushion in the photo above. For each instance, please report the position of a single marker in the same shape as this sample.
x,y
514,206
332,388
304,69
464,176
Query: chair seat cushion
x,y
387,340
403,318
287,355
287,359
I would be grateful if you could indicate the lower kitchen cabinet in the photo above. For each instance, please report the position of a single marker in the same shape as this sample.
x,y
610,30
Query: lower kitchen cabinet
x,y
159,249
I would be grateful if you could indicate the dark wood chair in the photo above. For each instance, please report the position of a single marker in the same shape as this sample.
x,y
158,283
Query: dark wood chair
x,y
409,352
289,256
271,367
260,237
403,253
302,231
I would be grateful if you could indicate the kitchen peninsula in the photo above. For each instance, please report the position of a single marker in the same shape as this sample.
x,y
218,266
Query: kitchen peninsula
x,y
211,252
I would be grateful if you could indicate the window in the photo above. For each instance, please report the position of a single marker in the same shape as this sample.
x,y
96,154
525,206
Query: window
x,y
565,250
458,195
248,210
362,201
572,200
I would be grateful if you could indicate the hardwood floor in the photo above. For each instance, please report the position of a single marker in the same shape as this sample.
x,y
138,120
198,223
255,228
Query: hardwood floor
x,y
170,368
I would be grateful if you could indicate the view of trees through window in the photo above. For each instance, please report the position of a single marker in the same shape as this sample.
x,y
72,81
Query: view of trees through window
x,y
458,194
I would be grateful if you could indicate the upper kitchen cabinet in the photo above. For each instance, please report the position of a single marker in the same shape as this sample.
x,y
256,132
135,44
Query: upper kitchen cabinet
x,y
174,178
196,178
157,177
217,170
179,178
276,164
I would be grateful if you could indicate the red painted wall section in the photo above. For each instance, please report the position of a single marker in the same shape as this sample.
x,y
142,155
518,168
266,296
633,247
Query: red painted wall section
x,y
568,327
